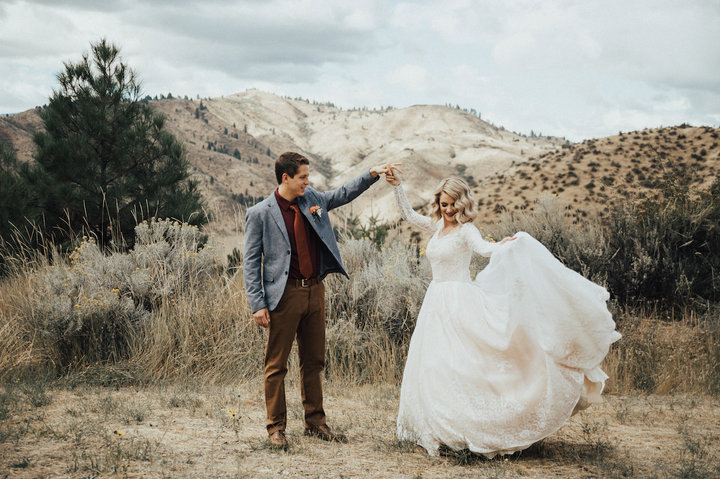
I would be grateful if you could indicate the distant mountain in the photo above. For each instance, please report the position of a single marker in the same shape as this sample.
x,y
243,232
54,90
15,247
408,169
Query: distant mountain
x,y
232,143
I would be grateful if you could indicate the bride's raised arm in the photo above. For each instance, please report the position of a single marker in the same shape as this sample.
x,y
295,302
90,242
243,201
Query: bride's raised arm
x,y
410,215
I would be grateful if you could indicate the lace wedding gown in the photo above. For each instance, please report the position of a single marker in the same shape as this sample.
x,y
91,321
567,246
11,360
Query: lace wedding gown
x,y
501,362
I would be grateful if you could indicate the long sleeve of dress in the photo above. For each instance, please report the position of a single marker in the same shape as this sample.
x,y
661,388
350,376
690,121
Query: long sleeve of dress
x,y
410,215
474,239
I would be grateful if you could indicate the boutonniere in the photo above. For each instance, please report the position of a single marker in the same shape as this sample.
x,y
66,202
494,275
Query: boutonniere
x,y
316,211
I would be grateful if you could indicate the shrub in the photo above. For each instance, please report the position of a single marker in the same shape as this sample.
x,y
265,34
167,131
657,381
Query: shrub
x,y
666,248
88,304
385,289
372,315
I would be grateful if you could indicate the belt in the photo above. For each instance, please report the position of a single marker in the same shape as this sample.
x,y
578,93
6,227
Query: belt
x,y
304,283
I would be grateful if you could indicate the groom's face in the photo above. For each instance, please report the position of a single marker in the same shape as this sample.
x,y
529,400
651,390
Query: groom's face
x,y
297,184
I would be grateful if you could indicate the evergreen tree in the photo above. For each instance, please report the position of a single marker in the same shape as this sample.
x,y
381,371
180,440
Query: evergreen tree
x,y
14,197
16,215
105,159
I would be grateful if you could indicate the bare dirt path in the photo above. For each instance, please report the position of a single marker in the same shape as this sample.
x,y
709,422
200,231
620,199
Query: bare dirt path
x,y
189,431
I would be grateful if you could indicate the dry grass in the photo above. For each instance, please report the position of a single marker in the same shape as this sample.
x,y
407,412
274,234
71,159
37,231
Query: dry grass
x,y
663,355
206,331
186,430
199,355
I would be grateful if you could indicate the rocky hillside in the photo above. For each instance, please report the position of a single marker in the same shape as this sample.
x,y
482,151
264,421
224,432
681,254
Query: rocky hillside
x,y
592,175
232,143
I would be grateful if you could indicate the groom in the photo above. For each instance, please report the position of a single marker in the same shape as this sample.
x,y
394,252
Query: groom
x,y
289,248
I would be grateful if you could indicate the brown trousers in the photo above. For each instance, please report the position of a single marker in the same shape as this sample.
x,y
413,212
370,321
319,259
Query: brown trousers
x,y
301,314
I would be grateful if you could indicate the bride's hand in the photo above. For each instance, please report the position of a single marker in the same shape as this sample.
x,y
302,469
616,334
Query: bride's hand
x,y
391,173
506,239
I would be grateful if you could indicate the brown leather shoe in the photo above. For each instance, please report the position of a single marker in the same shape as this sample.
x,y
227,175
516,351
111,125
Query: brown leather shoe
x,y
277,439
325,433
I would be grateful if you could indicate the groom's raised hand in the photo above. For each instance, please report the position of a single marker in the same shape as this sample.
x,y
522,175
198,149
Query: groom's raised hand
x,y
383,169
262,317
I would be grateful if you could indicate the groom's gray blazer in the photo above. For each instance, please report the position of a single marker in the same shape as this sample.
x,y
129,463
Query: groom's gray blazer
x,y
266,259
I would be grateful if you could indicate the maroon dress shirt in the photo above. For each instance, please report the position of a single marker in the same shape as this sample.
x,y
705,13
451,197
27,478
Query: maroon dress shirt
x,y
312,239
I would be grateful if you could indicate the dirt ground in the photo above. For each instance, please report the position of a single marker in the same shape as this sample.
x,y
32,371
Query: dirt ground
x,y
189,431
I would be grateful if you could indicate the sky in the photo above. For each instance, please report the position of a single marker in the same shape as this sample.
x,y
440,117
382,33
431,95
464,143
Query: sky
x,y
569,68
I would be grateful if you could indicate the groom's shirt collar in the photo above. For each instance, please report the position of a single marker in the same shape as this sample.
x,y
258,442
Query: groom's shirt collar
x,y
312,238
284,204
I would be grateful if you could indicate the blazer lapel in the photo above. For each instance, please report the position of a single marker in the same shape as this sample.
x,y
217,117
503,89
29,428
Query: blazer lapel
x,y
274,208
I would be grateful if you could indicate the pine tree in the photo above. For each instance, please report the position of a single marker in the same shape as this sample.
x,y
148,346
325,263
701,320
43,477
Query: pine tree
x,y
14,197
105,159
16,215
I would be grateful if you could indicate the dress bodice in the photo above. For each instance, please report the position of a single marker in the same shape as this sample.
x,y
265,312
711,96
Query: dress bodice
x,y
449,255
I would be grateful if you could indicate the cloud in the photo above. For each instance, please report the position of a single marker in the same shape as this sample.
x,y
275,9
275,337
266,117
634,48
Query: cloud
x,y
280,41
564,67
247,39
229,33
663,43
410,77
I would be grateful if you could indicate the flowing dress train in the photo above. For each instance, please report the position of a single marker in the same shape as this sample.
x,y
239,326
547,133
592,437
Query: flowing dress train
x,y
501,362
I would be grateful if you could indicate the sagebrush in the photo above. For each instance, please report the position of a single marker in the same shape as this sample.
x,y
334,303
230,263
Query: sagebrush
x,y
170,309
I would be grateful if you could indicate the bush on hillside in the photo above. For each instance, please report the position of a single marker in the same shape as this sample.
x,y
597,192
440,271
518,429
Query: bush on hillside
x,y
666,249
87,304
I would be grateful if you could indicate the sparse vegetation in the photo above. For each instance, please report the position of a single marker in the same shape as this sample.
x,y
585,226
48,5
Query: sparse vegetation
x,y
195,330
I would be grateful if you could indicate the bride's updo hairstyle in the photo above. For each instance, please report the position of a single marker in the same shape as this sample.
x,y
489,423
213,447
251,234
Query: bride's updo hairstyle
x,y
460,191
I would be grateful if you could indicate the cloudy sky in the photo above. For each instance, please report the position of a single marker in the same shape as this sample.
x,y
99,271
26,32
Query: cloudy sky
x,y
573,68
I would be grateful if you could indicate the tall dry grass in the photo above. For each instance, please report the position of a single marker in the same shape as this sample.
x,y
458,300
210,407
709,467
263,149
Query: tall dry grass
x,y
663,354
190,317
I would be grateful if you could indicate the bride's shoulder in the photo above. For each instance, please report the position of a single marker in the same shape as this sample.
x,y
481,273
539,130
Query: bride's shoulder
x,y
468,230
468,227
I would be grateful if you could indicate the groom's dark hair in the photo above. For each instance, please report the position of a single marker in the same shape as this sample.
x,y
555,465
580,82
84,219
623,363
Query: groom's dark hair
x,y
289,162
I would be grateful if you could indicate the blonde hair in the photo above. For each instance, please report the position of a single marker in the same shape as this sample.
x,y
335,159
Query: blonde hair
x,y
460,191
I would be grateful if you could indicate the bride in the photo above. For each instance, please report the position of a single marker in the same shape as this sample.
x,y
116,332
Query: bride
x,y
501,362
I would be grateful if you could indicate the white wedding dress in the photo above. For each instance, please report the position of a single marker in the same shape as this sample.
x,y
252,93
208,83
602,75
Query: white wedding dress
x,y
501,362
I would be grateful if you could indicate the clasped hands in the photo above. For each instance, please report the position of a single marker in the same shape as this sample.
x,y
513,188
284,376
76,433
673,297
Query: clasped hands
x,y
388,170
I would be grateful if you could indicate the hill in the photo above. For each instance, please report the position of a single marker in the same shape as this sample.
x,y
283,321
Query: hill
x,y
232,143
593,175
